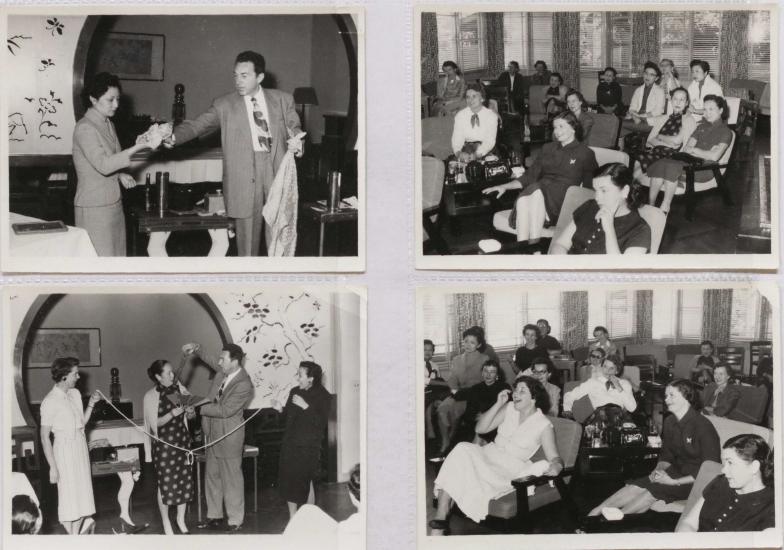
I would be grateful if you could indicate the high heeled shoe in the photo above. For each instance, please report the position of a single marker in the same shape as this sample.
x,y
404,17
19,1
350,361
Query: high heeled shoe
x,y
88,527
125,528
183,531
440,525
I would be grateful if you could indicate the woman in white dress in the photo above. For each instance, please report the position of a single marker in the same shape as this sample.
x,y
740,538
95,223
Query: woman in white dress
x,y
68,458
472,475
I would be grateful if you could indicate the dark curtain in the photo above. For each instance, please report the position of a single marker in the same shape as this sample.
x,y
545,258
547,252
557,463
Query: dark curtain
x,y
429,38
645,38
467,310
733,47
716,315
643,323
766,315
495,43
574,319
566,47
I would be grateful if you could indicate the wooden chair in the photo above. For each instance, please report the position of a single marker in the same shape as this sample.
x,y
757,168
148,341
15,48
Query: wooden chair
x,y
604,132
432,189
682,366
645,363
513,507
537,115
757,350
751,406
580,354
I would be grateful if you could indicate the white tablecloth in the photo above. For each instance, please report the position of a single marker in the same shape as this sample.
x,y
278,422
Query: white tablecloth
x,y
72,243
205,165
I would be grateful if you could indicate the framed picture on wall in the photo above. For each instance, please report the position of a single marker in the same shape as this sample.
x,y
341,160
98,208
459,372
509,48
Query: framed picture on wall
x,y
133,56
49,343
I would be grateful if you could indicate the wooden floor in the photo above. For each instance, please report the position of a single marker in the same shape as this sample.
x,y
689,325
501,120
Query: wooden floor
x,y
271,517
716,228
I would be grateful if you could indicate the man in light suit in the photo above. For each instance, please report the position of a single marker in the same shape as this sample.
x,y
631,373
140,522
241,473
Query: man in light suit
x,y
230,393
256,127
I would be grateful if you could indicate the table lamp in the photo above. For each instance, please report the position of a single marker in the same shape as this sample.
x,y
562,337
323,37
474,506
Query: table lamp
x,y
303,97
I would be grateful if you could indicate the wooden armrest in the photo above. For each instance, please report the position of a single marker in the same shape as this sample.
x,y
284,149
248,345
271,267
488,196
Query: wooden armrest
x,y
707,166
527,481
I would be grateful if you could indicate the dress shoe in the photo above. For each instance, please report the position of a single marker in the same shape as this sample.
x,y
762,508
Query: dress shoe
x,y
212,524
233,528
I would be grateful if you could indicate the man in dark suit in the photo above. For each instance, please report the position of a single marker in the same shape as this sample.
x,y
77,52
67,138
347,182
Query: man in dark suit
x,y
513,81
230,393
257,127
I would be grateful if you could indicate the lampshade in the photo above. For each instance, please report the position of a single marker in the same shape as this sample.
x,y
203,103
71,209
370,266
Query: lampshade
x,y
305,96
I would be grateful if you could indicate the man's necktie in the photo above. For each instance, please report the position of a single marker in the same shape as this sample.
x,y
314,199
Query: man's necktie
x,y
262,128
609,385
474,120
222,386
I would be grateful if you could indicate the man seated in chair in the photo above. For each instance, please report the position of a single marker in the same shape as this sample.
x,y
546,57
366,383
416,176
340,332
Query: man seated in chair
x,y
605,386
476,127
513,81
549,343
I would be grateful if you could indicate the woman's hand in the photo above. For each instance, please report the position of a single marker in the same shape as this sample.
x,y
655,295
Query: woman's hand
x,y
190,412
554,469
127,180
503,397
54,475
299,402
177,411
500,189
606,217
94,398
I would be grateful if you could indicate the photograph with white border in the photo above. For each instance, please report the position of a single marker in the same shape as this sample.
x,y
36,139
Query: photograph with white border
x,y
598,410
163,405
235,133
585,131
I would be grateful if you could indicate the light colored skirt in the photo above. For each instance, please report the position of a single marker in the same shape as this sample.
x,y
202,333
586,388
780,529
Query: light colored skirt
x,y
75,485
106,227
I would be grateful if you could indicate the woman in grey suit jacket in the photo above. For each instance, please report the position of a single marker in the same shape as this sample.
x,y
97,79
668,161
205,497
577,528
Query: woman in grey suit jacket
x,y
99,160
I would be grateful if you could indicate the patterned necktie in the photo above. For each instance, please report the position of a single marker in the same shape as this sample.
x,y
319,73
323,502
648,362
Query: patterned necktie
x,y
262,128
474,120
220,390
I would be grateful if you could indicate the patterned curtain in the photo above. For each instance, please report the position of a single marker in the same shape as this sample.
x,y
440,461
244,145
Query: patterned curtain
x,y
733,47
645,38
716,315
574,319
429,38
466,311
566,47
766,315
495,43
643,323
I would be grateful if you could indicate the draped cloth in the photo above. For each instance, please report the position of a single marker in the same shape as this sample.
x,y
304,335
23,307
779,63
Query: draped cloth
x,y
716,315
734,47
566,47
645,38
574,319
495,43
643,322
467,310
280,209
429,44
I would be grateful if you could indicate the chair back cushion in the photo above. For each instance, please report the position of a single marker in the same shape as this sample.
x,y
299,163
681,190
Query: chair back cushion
x,y
604,132
575,196
627,91
432,182
659,353
656,220
581,353
437,136
727,428
707,472
751,406
607,156
632,374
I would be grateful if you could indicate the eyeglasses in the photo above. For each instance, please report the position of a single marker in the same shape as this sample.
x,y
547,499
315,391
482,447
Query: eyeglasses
x,y
595,356
540,371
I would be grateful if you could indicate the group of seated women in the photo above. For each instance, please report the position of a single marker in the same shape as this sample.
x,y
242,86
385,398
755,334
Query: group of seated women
x,y
684,127
740,499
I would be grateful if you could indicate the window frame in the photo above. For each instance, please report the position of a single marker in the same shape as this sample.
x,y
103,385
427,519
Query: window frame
x,y
481,41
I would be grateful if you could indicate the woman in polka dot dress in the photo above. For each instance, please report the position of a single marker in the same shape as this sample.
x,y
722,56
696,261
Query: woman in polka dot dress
x,y
165,419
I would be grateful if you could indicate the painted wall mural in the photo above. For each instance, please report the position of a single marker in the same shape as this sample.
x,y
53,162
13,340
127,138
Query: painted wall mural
x,y
40,100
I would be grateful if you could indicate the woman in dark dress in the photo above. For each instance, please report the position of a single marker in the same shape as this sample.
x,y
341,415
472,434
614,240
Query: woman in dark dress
x,y
609,95
165,418
560,164
688,440
708,142
307,413
576,103
555,97
669,132
609,223
742,498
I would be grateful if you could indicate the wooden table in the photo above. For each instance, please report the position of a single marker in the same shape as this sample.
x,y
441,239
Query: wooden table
x,y
321,214
248,452
160,227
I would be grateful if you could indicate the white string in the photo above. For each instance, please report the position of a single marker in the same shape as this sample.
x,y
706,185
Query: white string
x,y
190,453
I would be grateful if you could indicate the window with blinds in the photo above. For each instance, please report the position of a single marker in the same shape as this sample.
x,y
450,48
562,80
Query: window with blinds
x,y
504,317
516,39
759,46
690,35
690,314
620,313
620,23
665,314
592,40
461,38
542,38
434,318
744,323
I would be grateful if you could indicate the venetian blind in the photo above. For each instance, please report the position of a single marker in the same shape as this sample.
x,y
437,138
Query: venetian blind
x,y
592,40
690,314
434,320
745,314
471,50
759,46
621,41
447,38
516,38
542,38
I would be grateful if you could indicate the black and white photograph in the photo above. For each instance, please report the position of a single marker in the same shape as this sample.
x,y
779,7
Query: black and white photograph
x,y
231,410
145,139
546,412
546,132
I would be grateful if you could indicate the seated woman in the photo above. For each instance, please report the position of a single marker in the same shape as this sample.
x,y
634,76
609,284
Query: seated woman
x,y
479,398
608,223
560,164
742,498
472,475
688,440
701,86
555,97
669,132
669,79
576,103
475,128
708,143
720,396
702,365
609,95
603,341
451,90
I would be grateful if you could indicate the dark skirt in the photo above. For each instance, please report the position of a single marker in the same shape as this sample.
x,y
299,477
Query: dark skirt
x,y
671,170
667,493
646,157
298,467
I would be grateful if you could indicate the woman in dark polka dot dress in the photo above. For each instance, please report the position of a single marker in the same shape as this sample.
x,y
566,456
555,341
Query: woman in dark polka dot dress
x,y
166,419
